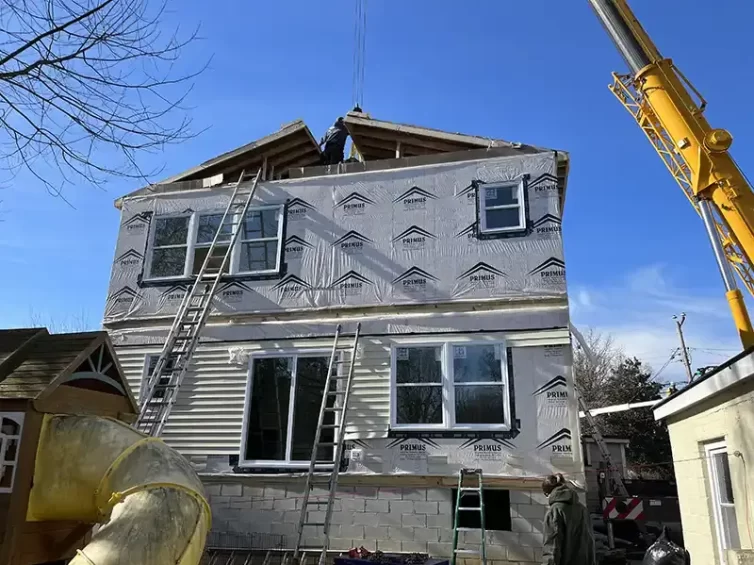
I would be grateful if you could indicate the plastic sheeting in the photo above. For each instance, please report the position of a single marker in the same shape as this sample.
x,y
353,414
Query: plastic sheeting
x,y
387,237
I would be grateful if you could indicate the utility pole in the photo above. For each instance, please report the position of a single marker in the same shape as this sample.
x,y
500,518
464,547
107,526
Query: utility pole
x,y
679,323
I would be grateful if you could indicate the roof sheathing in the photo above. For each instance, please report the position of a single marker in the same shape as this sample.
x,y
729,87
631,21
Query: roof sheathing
x,y
393,145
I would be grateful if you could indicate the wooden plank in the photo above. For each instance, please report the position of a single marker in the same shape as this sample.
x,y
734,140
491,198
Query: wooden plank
x,y
22,341
73,400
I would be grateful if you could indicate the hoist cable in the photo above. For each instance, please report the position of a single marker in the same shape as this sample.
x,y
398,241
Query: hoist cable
x,y
360,24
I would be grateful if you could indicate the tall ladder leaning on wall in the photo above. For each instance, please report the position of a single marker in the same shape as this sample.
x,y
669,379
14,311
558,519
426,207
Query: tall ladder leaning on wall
x,y
340,370
162,386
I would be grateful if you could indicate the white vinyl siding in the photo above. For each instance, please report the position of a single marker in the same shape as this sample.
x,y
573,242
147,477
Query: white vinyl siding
x,y
208,416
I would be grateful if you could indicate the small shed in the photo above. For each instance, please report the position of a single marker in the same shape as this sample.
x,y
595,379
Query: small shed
x,y
76,373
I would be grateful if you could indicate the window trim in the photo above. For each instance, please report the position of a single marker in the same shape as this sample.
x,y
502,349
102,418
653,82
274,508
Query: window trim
x,y
191,236
710,450
191,245
448,386
481,208
286,463
236,256
18,418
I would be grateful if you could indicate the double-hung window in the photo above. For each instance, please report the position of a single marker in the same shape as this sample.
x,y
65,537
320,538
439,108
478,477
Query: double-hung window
x,y
501,207
180,244
452,386
283,400
723,503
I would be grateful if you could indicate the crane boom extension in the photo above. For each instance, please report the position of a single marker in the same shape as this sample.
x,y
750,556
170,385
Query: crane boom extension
x,y
670,111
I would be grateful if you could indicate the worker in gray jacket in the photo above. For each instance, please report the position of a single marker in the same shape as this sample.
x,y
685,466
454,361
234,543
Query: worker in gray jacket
x,y
567,528
334,143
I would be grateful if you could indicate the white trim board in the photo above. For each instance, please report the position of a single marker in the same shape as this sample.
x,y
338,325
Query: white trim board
x,y
699,391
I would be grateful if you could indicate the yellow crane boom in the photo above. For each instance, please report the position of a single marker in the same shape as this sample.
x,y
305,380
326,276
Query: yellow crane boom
x,y
670,111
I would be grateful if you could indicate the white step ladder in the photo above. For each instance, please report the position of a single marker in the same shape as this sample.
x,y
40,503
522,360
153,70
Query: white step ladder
x,y
161,388
335,402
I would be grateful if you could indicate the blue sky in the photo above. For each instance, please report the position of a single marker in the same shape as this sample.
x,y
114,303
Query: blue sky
x,y
533,71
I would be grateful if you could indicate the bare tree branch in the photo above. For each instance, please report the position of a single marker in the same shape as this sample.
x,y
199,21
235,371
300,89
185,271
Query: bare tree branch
x,y
87,86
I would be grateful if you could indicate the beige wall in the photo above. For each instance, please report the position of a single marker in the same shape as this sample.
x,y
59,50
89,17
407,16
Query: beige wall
x,y
730,417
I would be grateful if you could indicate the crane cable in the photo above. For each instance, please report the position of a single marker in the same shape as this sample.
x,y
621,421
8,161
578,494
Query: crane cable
x,y
359,53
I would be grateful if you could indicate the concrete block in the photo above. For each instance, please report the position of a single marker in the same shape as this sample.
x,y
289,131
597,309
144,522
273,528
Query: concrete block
x,y
283,528
338,544
231,490
531,539
414,520
253,491
425,507
503,538
446,535
389,519
521,525
237,526
322,491
400,534
440,521
401,506
342,518
212,489
377,505
529,511
414,494
262,503
366,519
292,516
439,494
374,533
520,553
414,546
426,534
351,531
438,549
284,504
389,545
472,537
496,551
390,493
316,516
240,502
220,501
537,525
446,507
538,497
366,492
353,504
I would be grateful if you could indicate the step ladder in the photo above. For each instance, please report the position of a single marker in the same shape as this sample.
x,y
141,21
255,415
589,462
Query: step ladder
x,y
161,388
330,434
472,486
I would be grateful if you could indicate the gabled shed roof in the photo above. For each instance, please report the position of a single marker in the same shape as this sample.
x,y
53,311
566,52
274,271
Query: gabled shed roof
x,y
33,363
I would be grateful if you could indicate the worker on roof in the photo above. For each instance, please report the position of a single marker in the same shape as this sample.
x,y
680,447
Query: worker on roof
x,y
334,143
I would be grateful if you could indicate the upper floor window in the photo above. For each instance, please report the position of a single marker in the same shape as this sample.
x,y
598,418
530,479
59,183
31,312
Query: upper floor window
x,y
180,244
501,207
450,386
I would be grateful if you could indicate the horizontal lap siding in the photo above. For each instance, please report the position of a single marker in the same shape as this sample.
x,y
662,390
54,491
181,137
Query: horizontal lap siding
x,y
208,415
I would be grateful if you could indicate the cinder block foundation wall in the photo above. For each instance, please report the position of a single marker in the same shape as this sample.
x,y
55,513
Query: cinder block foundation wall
x,y
379,518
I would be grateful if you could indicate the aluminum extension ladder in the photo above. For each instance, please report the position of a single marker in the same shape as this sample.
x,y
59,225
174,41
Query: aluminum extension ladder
x,y
161,389
476,488
340,370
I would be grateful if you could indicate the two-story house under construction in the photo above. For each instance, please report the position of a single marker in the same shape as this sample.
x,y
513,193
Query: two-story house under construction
x,y
447,249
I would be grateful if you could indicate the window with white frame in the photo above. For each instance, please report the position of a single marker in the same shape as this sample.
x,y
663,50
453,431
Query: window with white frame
x,y
450,386
723,503
11,426
180,244
150,363
501,207
283,400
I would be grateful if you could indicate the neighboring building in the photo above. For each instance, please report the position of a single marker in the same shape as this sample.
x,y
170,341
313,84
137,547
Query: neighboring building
x,y
447,249
710,423
594,467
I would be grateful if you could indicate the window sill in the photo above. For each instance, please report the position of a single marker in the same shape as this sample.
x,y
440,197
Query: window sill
x,y
499,432
503,234
172,281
